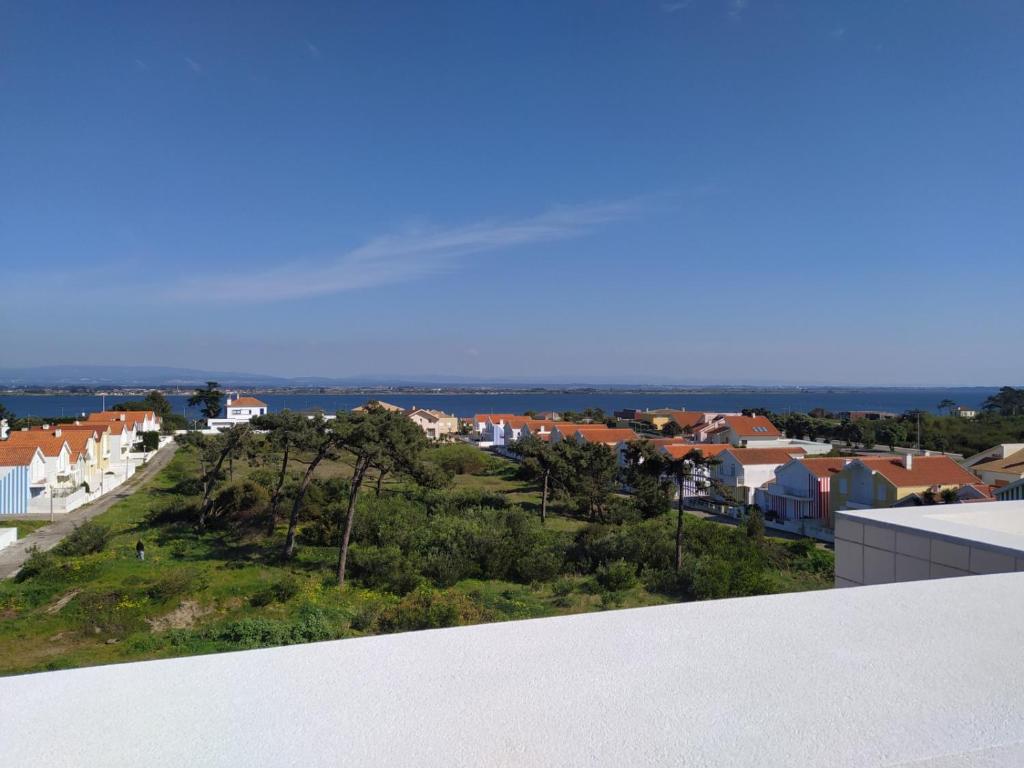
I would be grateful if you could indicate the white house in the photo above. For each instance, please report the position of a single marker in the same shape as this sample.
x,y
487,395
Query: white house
x,y
140,421
539,428
697,481
238,410
482,421
1000,465
741,471
744,431
22,476
801,490
56,454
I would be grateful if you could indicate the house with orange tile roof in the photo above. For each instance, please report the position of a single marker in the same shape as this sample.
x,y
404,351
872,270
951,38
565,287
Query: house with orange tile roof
x,y
139,421
617,439
436,425
123,433
744,431
22,476
540,428
567,430
885,481
56,454
238,410
1000,465
482,420
84,456
741,471
802,490
696,483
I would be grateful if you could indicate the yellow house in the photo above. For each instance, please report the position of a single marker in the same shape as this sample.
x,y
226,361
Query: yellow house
x,y
435,424
885,481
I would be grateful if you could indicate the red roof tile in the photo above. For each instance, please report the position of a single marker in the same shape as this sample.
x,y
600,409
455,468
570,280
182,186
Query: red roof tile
x,y
751,456
924,471
16,455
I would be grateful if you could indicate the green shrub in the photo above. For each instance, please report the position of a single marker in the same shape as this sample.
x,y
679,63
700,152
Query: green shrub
x,y
174,510
150,441
241,501
86,539
563,588
366,617
179,550
384,568
176,583
426,608
666,581
461,459
38,563
311,626
617,576
281,591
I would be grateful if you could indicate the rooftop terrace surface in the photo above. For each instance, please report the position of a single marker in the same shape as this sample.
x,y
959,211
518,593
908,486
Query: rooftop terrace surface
x,y
999,524
921,674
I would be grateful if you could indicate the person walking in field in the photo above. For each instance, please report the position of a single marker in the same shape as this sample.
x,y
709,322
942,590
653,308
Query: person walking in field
x,y
140,550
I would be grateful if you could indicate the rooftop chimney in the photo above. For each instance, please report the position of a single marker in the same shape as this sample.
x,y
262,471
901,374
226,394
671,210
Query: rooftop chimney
x,y
908,460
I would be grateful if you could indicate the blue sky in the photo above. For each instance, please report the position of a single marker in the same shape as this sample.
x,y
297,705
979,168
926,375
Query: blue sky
x,y
712,191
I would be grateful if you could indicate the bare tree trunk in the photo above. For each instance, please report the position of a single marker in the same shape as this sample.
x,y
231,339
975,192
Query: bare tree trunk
x,y
679,527
380,479
204,508
544,499
275,500
353,493
300,497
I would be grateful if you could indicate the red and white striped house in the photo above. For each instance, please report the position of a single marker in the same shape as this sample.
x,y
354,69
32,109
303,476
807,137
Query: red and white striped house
x,y
802,490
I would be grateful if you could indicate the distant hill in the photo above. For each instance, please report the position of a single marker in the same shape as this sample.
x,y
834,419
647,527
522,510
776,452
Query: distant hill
x,y
139,376
166,376
128,376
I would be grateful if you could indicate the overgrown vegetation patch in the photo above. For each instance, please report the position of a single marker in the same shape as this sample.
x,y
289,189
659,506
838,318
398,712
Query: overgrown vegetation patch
x,y
426,551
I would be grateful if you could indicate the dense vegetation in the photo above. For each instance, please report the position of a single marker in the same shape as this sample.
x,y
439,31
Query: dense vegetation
x,y
429,547
1001,420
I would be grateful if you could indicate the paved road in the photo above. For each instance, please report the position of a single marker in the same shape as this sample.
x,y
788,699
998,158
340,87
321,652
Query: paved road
x,y
12,557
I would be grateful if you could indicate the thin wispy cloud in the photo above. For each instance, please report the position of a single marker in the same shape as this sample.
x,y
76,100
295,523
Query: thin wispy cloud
x,y
402,257
194,65
677,5
312,50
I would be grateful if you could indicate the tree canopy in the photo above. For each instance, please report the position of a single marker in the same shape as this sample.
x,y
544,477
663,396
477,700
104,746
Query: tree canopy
x,y
209,399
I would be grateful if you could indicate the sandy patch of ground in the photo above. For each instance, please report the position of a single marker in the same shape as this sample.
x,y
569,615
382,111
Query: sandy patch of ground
x,y
182,617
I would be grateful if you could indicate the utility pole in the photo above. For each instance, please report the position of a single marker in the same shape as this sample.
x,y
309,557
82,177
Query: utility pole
x,y
918,431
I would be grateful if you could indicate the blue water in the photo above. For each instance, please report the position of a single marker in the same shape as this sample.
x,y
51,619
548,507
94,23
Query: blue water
x,y
893,400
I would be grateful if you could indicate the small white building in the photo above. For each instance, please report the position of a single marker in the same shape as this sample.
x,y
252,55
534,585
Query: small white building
x,y
238,410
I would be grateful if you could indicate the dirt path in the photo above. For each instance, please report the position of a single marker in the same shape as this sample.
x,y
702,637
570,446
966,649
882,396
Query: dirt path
x,y
14,556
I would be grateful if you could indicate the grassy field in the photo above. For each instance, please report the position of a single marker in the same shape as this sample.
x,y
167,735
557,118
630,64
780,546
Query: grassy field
x,y
227,589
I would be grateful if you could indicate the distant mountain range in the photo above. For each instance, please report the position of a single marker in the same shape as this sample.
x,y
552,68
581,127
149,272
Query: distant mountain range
x,y
98,376
165,376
